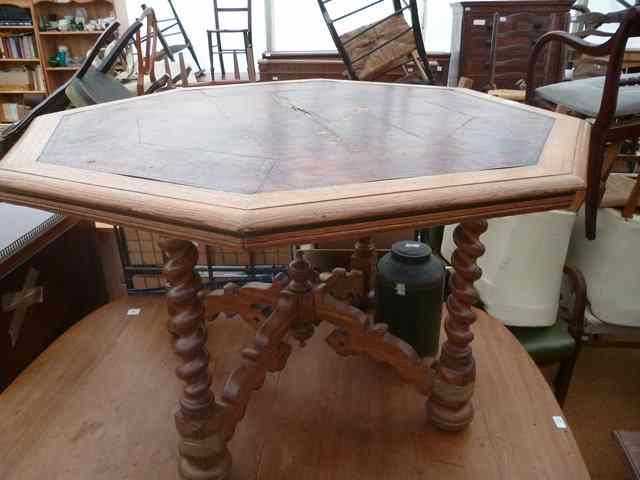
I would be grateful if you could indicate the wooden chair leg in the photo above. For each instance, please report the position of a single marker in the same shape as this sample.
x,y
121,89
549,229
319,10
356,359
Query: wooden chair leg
x,y
184,74
632,202
563,377
465,82
419,66
594,176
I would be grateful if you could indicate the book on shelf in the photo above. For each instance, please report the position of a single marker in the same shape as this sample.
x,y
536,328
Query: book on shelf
x,y
38,79
14,16
18,46
23,78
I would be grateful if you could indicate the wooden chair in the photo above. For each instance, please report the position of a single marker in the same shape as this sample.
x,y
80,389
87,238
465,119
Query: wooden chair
x,y
612,101
217,33
561,342
512,39
386,44
167,26
95,84
58,99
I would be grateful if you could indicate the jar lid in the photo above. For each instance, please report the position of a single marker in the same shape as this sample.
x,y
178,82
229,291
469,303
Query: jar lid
x,y
411,251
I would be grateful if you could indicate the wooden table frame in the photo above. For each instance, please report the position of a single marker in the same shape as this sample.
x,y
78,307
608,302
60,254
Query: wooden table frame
x,y
296,302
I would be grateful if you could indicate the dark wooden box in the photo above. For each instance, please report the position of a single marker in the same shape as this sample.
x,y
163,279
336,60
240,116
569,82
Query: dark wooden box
x,y
300,65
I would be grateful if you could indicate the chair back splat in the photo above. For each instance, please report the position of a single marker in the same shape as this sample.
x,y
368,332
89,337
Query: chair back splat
x,y
372,49
617,117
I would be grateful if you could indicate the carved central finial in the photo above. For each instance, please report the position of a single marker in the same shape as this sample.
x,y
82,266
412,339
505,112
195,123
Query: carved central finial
x,y
300,273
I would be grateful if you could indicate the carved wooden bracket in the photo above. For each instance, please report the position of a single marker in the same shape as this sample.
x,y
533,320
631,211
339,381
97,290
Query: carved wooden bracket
x,y
343,285
269,354
252,301
358,334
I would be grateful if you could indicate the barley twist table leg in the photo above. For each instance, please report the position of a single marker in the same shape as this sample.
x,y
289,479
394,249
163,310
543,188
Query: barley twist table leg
x,y
202,448
449,406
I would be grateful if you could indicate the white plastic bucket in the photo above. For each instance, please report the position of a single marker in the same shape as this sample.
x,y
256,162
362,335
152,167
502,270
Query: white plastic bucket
x,y
522,267
611,266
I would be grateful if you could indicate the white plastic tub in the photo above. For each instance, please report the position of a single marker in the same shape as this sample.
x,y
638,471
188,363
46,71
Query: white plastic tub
x,y
522,266
611,266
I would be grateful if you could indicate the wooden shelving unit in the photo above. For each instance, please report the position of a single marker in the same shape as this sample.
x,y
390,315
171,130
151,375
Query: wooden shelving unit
x,y
78,42
14,94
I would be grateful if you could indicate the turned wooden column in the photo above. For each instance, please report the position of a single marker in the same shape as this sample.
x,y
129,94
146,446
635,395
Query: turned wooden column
x,y
365,259
449,406
202,449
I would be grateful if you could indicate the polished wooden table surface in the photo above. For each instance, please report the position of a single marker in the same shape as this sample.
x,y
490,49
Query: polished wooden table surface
x,y
256,165
94,406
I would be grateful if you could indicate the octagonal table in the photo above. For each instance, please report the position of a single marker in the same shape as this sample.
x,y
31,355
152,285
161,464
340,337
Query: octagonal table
x,y
251,166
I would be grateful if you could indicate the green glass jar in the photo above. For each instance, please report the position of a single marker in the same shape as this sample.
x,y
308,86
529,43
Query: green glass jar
x,y
409,295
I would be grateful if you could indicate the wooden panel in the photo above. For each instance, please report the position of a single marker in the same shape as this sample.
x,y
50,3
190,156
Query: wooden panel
x,y
298,137
324,417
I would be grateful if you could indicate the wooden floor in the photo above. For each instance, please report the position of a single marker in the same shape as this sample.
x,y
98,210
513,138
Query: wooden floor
x,y
97,405
603,397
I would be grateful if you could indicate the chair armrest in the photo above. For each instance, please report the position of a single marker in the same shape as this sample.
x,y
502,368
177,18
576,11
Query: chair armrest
x,y
577,43
579,289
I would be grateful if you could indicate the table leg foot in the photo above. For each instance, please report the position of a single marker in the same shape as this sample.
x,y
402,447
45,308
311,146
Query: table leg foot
x,y
202,449
449,406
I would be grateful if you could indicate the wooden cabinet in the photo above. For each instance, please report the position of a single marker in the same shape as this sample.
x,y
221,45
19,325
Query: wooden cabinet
x,y
300,65
471,37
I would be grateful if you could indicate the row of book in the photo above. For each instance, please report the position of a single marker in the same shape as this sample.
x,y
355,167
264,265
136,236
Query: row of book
x,y
25,78
18,46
